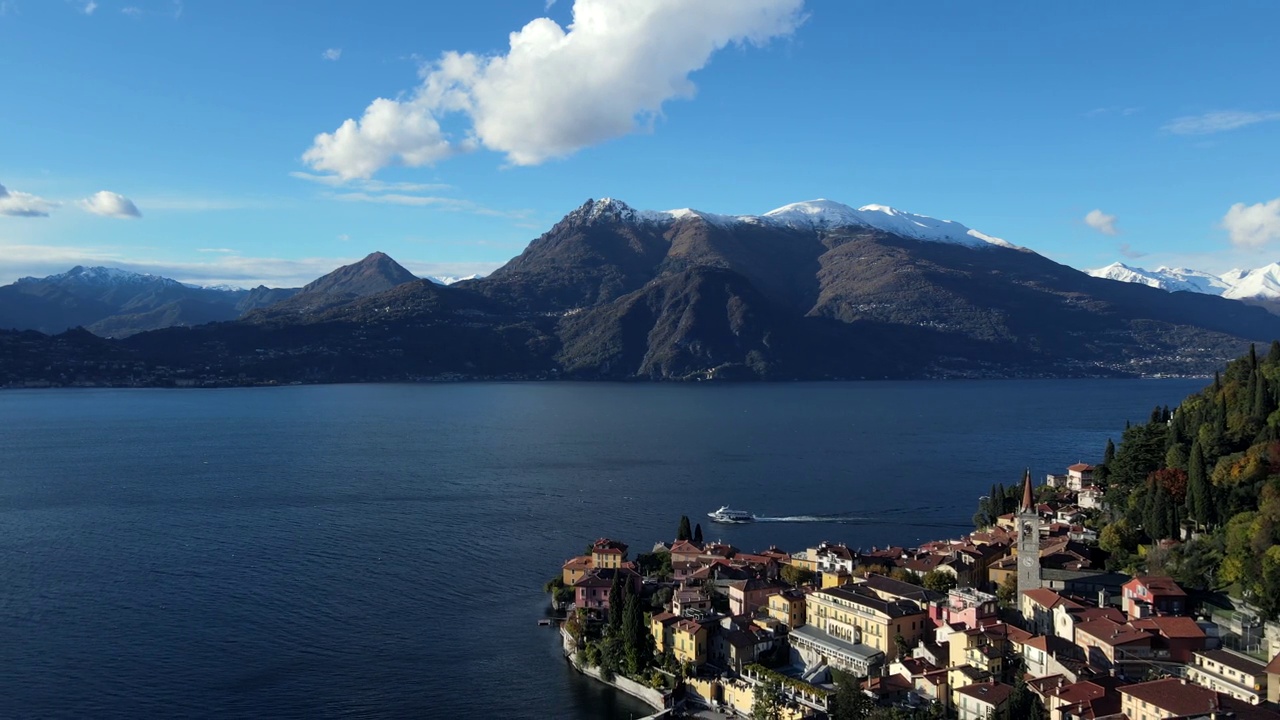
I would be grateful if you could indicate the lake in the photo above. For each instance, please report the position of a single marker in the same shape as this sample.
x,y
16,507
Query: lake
x,y
378,551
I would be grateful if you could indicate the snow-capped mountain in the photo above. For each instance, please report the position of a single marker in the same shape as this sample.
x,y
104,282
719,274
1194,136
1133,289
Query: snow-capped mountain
x,y
100,277
1165,278
451,279
816,215
1258,284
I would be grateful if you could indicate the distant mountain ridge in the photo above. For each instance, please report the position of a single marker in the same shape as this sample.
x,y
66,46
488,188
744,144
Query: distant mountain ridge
x,y
1258,284
117,303
813,290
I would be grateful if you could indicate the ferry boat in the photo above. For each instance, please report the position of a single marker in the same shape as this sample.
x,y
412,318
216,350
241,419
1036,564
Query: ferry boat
x,y
727,515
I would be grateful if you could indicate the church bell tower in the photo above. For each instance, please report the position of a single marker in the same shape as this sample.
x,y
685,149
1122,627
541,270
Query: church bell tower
x,y
1028,541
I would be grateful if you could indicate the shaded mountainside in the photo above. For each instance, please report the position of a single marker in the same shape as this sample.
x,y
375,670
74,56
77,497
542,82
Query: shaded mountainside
x,y
118,303
813,291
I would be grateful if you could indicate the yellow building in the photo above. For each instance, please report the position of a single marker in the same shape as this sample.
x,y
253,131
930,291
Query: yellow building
x,y
689,642
857,615
836,579
574,569
662,627
787,607
606,554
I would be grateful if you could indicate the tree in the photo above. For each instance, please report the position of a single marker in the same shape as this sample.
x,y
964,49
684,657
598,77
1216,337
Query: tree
x,y
938,581
767,700
697,533
616,600
1008,590
849,702
684,533
634,634
904,575
1199,494
796,575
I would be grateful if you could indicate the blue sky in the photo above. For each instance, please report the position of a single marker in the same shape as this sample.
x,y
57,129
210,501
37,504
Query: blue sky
x,y
182,137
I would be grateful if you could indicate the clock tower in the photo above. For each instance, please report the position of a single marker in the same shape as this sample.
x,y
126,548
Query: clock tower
x,y
1028,541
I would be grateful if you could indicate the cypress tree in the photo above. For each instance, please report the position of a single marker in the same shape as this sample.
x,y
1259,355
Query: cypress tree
x,y
697,533
1217,382
617,601
1253,357
633,632
684,533
1273,357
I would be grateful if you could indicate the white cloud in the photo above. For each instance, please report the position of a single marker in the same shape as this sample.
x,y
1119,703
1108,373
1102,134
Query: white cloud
x,y
1216,122
371,185
556,90
1252,226
89,7
20,204
109,204
1102,222
131,11
332,54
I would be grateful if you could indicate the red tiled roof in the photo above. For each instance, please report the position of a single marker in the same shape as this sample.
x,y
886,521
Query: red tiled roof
x,y
1049,599
1158,585
582,561
1112,634
665,617
1080,467
993,693
1170,626
1089,614
1174,696
1274,666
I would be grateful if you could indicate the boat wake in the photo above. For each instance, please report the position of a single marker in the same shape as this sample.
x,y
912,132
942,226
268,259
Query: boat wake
x,y
813,519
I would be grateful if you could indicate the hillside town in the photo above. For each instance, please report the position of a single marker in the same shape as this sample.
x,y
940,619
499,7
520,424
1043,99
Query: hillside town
x,y
1018,619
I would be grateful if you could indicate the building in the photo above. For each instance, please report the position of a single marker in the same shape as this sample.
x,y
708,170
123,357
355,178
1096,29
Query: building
x,y
1273,679
1172,697
969,608
1083,700
1038,605
982,700
1078,476
592,590
608,554
1153,595
690,600
815,646
787,607
662,627
689,641
1028,523
1176,637
574,568
1109,646
1090,497
859,616
745,596
1229,673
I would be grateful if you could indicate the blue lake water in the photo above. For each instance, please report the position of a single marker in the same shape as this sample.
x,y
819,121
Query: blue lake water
x,y
378,551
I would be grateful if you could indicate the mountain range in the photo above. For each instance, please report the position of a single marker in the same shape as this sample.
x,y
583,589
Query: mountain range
x,y
811,290
1259,284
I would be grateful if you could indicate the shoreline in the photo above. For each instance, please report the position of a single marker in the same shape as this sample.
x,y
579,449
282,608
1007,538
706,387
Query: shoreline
x,y
647,695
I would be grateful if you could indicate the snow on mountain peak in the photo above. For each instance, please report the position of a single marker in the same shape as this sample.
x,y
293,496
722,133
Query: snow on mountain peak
x,y
81,275
824,214
1165,278
818,215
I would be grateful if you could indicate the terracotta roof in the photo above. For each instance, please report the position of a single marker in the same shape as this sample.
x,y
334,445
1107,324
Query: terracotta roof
x,y
883,685
1089,614
685,547
690,626
917,666
605,545
1049,599
1174,696
1170,626
1027,501
1113,634
992,693
582,561
665,617
1158,585
1080,467
1274,666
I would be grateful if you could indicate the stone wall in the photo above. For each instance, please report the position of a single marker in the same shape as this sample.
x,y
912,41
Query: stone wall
x,y
653,697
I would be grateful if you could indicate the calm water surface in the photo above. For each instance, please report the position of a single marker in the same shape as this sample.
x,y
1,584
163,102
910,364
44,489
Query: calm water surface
x,y
378,550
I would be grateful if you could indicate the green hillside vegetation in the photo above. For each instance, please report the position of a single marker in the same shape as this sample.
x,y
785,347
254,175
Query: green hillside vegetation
x,y
1209,473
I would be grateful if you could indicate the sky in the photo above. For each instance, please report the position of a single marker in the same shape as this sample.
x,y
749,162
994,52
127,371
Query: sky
x,y
244,142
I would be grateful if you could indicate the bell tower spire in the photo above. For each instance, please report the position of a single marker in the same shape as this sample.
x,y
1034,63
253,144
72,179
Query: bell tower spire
x,y
1028,520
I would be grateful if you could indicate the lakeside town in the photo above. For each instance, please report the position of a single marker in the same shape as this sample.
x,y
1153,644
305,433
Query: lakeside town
x,y
1019,619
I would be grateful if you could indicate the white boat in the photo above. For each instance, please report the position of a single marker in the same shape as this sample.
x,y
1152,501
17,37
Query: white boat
x,y
727,515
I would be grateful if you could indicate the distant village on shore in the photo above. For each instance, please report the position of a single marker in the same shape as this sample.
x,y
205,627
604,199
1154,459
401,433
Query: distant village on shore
x,y
1016,620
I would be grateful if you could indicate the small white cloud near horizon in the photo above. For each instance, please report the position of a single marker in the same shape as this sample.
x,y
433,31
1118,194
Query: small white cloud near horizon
x,y
109,204
1218,121
20,204
89,7
556,90
1102,222
1253,226
332,54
